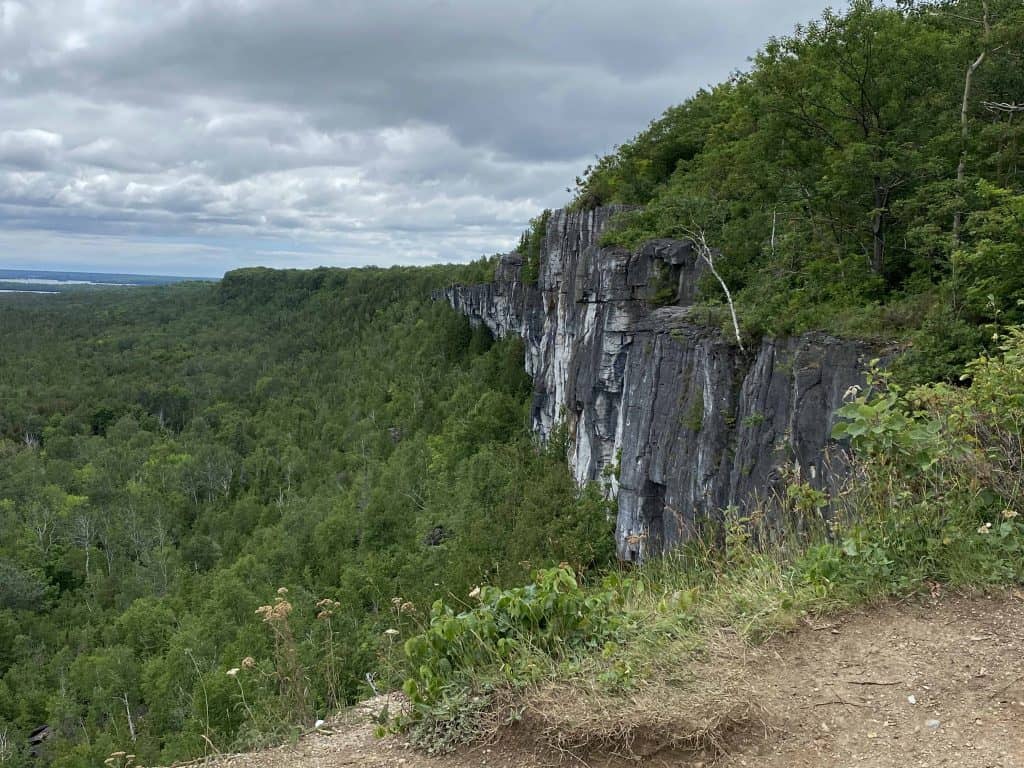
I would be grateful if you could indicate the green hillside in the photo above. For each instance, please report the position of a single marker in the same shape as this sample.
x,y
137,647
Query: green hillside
x,y
864,175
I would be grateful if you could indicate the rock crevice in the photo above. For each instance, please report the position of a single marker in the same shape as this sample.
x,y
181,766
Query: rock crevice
x,y
661,407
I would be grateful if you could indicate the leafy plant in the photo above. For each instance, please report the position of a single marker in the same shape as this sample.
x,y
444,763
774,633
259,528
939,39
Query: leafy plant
x,y
510,638
937,483
877,422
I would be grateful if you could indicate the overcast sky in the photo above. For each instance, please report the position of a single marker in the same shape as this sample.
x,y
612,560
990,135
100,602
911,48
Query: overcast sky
x,y
190,137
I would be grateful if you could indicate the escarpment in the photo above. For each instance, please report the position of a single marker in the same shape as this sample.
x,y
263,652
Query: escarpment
x,y
659,404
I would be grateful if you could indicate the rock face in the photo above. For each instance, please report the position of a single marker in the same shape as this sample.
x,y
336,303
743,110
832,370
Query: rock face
x,y
658,405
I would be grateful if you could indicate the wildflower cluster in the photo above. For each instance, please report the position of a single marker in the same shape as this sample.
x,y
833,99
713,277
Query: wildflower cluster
x,y
326,608
402,607
291,676
278,611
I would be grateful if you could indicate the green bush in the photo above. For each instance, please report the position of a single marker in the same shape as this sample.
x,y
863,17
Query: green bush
x,y
936,491
509,637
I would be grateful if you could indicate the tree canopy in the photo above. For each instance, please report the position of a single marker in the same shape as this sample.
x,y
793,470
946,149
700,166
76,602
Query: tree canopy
x,y
169,457
860,177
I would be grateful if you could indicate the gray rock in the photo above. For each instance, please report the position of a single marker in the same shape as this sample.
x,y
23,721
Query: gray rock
x,y
437,536
662,408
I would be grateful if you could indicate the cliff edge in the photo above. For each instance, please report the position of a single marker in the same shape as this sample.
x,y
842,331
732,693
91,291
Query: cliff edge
x,y
659,404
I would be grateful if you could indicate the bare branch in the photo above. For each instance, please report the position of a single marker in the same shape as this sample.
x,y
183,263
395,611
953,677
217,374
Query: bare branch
x,y
128,711
701,243
961,167
956,16
1001,106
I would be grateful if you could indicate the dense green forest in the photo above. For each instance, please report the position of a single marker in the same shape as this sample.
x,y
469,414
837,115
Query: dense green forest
x,y
170,457
865,175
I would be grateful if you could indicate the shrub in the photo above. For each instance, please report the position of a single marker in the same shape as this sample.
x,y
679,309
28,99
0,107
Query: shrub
x,y
508,637
936,489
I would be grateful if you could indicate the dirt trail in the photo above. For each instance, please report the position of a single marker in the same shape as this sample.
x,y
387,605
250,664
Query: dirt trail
x,y
921,683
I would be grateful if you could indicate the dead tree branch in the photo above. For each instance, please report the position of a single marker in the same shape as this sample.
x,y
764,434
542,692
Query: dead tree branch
x,y
1002,107
961,168
707,256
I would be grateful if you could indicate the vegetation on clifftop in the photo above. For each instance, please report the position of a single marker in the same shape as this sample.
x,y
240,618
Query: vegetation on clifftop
x,y
865,176
530,244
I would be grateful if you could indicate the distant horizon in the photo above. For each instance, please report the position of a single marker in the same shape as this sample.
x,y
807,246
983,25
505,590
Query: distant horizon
x,y
109,272
7,271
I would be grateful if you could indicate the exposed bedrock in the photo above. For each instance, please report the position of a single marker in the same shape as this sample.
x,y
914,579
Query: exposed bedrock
x,y
662,408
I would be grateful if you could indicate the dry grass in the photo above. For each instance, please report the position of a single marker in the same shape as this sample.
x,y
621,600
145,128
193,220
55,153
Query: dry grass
x,y
701,716
692,699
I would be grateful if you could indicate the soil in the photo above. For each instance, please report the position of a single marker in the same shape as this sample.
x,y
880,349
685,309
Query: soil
x,y
922,683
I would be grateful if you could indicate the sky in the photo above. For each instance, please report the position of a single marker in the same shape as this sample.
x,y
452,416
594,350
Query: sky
x,y
190,137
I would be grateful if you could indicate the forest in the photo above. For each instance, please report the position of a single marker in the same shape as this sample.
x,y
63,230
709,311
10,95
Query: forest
x,y
172,457
230,509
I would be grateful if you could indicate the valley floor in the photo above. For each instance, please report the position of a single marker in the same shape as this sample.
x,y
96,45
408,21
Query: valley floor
x,y
923,682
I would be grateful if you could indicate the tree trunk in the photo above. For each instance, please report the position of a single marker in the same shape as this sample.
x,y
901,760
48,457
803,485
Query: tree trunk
x,y
878,221
701,243
961,168
128,712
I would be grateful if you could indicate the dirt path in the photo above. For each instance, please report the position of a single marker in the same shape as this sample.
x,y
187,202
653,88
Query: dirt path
x,y
923,683
908,685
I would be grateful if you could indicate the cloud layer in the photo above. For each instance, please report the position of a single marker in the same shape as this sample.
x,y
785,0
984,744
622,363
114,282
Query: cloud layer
x,y
193,136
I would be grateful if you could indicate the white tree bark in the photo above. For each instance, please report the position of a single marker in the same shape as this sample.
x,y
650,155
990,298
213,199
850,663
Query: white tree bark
x,y
128,712
700,242
961,168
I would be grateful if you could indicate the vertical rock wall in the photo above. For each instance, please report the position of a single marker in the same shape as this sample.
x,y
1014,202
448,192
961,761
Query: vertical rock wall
x,y
657,404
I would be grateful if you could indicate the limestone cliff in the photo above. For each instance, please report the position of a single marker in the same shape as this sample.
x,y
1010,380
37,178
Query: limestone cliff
x,y
660,406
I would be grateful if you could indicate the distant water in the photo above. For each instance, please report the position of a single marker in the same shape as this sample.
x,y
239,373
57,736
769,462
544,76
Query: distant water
x,y
43,281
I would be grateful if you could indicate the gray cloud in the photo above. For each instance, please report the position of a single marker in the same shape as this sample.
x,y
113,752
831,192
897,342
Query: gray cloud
x,y
328,131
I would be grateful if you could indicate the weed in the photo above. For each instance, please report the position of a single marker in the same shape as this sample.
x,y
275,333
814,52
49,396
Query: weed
x,y
753,420
288,669
694,420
